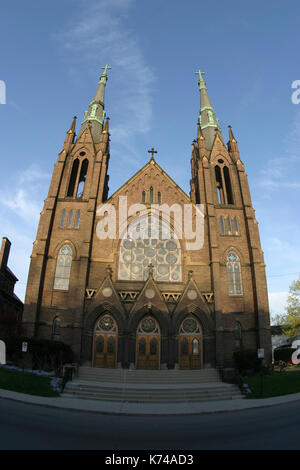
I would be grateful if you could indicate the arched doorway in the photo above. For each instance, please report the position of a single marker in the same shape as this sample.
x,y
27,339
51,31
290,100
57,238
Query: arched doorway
x,y
148,344
190,344
105,342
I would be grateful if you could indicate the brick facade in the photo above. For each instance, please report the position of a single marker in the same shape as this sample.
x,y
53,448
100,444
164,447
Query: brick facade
x,y
203,272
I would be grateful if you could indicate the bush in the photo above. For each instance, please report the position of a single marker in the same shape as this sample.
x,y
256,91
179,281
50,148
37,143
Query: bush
x,y
42,354
247,361
283,354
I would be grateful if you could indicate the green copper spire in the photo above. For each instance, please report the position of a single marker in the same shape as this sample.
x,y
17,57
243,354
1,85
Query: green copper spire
x,y
95,114
207,119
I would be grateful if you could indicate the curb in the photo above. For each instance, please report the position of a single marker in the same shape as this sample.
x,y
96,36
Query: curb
x,y
146,409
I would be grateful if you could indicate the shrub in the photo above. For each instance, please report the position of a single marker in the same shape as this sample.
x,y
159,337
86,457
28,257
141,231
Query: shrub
x,y
247,360
283,354
43,354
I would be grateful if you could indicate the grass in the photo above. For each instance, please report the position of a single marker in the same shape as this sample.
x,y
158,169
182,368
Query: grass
x,y
274,384
24,382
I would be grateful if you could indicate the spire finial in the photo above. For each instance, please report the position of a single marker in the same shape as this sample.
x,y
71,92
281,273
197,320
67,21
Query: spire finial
x,y
201,81
231,136
105,69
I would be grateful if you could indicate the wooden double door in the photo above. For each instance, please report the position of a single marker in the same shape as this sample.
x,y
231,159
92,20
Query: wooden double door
x,y
105,350
147,354
190,352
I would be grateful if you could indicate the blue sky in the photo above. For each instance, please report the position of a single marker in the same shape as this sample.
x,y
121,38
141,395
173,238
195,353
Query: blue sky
x,y
51,58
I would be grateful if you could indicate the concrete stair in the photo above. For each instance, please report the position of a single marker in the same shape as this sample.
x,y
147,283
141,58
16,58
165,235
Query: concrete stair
x,y
150,386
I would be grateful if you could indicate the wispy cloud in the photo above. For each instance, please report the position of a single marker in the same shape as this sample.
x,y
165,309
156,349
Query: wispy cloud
x,y
99,34
25,201
21,200
282,172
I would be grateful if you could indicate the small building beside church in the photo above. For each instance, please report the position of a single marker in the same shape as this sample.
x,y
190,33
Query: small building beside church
x,y
11,307
152,302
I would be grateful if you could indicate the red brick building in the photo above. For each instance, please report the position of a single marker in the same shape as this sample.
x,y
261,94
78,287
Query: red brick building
x,y
11,307
148,303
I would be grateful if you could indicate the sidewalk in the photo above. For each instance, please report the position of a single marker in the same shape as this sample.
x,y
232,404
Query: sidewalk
x,y
184,408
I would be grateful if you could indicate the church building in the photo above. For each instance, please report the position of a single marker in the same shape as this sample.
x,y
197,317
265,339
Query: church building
x,y
148,302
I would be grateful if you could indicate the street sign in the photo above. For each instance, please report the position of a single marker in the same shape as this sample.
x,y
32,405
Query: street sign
x,y
260,353
24,346
2,352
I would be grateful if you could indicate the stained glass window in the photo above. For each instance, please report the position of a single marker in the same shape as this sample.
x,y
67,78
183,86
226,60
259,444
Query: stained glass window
x,y
63,268
234,274
154,246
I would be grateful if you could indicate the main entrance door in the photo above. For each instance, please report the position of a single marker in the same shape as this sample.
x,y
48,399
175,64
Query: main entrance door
x,y
105,342
190,344
148,344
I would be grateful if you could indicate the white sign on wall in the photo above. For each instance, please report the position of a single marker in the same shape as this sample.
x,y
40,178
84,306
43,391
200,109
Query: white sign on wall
x,y
2,352
24,346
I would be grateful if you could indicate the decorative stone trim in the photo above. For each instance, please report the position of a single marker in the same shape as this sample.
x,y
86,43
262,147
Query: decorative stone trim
x,y
209,297
171,296
89,293
128,296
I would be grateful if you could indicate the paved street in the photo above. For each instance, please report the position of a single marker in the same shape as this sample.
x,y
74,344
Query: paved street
x,y
25,426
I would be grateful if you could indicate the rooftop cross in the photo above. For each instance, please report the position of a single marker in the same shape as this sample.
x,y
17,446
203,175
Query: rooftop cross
x,y
152,151
200,74
106,68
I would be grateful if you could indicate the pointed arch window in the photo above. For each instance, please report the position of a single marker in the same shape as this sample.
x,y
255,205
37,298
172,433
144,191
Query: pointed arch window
x,y
82,178
228,185
73,178
159,198
62,218
223,184
143,196
63,268
234,274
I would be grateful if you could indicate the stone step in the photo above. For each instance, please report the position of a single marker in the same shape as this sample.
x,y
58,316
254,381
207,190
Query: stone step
x,y
149,376
157,393
153,398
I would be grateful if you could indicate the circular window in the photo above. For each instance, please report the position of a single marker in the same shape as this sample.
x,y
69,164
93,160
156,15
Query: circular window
x,y
106,323
189,325
82,154
220,160
148,325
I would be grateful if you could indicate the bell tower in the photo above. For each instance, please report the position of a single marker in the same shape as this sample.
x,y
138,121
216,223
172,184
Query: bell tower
x,y
236,259
55,292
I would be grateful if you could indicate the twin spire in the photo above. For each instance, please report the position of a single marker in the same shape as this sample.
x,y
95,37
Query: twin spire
x,y
95,115
208,124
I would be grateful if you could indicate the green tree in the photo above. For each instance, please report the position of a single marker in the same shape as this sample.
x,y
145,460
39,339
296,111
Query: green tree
x,y
291,319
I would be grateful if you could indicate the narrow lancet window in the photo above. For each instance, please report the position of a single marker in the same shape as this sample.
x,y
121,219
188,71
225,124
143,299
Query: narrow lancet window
x,y
159,198
70,218
222,225
73,178
236,225
234,274
82,178
62,218
151,195
143,196
77,219
63,268
228,185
